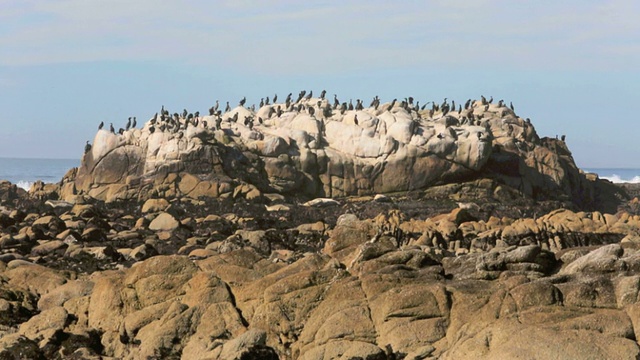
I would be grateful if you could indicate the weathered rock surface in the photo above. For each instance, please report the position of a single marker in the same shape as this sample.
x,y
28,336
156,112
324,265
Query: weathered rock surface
x,y
219,238
310,149
309,284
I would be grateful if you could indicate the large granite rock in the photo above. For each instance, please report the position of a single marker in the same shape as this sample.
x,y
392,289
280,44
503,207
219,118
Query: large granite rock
x,y
310,149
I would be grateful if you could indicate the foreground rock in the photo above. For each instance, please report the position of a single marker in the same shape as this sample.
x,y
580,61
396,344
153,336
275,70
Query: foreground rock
x,y
388,280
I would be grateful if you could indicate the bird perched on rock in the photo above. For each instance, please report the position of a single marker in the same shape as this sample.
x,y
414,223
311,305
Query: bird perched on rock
x,y
243,101
87,147
228,108
355,119
101,125
128,126
113,131
322,94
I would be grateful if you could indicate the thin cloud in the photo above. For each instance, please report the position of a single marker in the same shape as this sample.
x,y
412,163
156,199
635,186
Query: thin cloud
x,y
286,37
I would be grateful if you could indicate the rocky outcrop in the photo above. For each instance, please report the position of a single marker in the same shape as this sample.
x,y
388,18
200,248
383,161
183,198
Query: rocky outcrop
x,y
310,149
221,280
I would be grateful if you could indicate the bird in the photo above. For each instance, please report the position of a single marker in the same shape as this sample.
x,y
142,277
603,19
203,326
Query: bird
x,y
322,94
228,108
275,98
355,119
101,125
563,137
113,131
511,106
128,126
244,100
87,147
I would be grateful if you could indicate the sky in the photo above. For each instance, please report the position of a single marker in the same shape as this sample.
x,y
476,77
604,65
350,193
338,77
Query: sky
x,y
572,66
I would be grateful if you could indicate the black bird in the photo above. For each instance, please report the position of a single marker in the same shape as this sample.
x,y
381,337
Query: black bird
x,y
87,147
563,137
101,125
215,108
484,100
322,94
350,105
266,102
151,130
355,119
244,100
228,108
261,102
308,97
511,106
466,105
275,98
393,103
491,100
288,100
113,131
336,103
128,126
312,110
235,117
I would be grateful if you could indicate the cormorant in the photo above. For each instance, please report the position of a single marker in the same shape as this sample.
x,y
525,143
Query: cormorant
x,y
393,103
113,131
336,103
266,101
563,137
350,104
235,117
128,126
261,102
308,97
466,105
228,108
355,119
322,94
275,98
244,100
312,110
491,100
101,125
87,147
511,106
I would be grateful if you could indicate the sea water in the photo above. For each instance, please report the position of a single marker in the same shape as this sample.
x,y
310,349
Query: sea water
x,y
24,172
618,175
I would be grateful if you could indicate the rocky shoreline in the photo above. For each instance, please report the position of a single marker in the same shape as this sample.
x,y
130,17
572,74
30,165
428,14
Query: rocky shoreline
x,y
502,251
375,278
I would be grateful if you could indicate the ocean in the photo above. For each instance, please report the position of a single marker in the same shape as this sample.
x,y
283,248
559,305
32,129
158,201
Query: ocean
x,y
23,172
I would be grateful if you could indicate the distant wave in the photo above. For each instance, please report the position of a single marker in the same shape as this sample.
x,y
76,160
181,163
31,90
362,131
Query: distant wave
x,y
617,179
24,184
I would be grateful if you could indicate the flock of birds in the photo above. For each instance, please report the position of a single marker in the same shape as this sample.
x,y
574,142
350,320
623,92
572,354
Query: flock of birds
x,y
164,121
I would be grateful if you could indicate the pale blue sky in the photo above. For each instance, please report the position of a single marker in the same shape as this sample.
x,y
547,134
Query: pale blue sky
x,y
573,67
